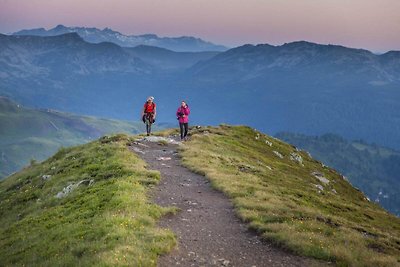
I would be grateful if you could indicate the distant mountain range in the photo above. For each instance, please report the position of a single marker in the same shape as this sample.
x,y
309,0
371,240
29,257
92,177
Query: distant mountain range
x,y
298,87
249,62
67,73
94,35
308,88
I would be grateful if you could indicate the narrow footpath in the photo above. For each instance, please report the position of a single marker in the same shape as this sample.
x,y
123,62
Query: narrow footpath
x,y
208,231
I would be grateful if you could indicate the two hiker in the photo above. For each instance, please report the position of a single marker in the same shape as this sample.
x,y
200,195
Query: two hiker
x,y
149,116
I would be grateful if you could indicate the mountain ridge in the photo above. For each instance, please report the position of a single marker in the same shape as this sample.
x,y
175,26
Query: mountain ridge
x,y
94,35
315,80
279,191
314,50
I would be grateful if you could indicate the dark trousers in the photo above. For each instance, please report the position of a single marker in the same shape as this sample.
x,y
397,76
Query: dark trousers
x,y
184,129
148,128
148,120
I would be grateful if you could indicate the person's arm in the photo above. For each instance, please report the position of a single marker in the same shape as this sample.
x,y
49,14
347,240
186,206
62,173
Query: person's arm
x,y
144,109
155,111
187,111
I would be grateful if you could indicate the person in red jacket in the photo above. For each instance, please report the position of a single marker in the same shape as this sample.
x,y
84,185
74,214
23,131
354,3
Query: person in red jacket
x,y
149,113
183,117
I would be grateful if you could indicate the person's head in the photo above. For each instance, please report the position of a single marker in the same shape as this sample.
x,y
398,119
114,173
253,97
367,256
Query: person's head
x,y
183,104
150,99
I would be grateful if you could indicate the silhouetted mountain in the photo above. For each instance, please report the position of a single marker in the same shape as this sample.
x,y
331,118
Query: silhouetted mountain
x,y
94,35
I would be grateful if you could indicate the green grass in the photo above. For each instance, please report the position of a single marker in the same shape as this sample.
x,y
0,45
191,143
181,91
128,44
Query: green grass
x,y
108,223
27,133
279,199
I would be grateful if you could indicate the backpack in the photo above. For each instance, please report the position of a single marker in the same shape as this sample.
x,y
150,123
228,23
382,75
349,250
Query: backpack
x,y
145,108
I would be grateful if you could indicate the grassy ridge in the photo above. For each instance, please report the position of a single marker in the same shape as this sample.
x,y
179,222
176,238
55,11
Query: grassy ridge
x,y
107,220
279,198
27,134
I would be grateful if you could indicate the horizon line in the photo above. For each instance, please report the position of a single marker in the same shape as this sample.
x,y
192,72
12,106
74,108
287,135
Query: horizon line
x,y
275,44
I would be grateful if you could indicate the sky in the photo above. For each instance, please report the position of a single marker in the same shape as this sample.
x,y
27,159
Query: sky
x,y
368,24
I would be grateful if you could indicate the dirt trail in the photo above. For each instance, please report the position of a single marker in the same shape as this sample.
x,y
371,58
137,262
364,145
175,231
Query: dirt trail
x,y
208,231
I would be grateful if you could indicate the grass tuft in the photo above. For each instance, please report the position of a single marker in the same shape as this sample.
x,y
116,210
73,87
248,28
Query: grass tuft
x,y
106,220
279,198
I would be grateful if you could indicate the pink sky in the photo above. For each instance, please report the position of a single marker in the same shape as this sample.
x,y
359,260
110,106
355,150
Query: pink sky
x,y
370,24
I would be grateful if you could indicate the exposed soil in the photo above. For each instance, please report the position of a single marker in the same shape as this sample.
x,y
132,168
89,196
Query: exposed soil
x,y
208,231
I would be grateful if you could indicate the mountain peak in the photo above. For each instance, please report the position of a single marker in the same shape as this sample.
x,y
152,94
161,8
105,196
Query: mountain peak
x,y
94,35
60,27
301,44
108,30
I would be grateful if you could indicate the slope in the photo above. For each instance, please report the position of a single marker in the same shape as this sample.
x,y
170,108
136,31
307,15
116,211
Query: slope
x,y
85,206
165,59
67,73
372,168
91,203
292,199
27,134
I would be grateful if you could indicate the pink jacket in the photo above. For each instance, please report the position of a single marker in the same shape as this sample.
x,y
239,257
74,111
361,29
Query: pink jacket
x,y
181,110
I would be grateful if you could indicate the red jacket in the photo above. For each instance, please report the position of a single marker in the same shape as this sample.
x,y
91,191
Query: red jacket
x,y
149,108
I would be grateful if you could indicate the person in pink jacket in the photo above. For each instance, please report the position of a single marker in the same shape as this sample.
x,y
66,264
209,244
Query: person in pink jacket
x,y
182,115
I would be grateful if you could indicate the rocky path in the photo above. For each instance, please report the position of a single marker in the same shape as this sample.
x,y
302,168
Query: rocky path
x,y
208,231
